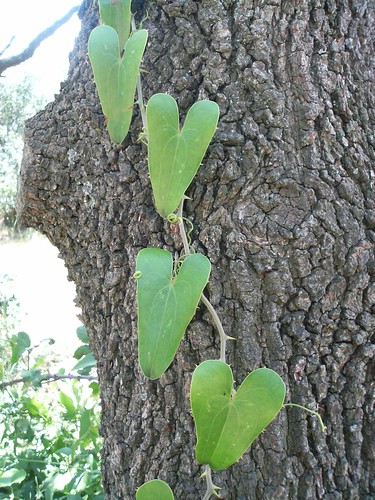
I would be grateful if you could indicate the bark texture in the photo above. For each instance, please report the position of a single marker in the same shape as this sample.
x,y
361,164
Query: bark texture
x,y
284,208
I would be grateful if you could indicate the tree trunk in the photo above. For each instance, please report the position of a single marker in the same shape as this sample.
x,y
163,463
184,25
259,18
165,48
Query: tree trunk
x,y
283,207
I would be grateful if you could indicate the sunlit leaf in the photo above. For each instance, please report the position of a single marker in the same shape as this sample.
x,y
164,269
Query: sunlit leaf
x,y
175,155
19,344
84,423
166,305
227,423
68,404
118,15
82,334
11,476
35,408
86,362
116,76
82,350
156,489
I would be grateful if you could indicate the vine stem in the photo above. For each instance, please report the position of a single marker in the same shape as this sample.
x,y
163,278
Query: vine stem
x,y
182,227
141,103
48,377
211,488
206,302
219,326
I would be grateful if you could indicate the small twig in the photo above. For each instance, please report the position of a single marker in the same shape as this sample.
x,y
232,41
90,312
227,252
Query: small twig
x,y
60,464
211,488
7,45
34,44
46,378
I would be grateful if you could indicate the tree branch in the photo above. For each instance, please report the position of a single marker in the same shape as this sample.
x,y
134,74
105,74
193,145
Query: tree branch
x,y
29,51
48,377
7,46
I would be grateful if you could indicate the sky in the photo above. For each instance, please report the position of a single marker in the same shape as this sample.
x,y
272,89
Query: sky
x,y
27,18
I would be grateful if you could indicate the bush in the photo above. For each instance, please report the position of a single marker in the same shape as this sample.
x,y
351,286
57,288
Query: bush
x,y
49,440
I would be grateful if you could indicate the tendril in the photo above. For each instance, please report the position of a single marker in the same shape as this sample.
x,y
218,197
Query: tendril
x,y
173,218
191,225
177,265
323,426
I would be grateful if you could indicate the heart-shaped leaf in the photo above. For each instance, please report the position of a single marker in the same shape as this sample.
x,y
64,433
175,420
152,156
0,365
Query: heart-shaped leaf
x,y
156,489
116,76
174,155
117,13
227,424
166,305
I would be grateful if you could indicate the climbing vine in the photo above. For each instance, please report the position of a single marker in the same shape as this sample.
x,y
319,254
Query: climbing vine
x,y
227,421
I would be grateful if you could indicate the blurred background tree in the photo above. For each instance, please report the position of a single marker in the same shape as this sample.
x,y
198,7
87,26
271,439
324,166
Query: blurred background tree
x,y
18,101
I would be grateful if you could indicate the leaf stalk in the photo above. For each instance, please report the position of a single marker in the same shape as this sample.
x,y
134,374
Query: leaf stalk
x,y
323,426
211,488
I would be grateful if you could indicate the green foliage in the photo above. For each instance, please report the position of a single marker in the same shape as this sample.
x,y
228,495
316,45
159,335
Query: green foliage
x,y
154,490
116,76
49,440
47,452
86,358
174,155
167,301
11,477
168,294
227,422
117,15
17,102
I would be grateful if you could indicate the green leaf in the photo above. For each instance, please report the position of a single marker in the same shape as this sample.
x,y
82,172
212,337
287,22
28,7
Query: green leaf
x,y
118,15
174,155
35,408
82,350
87,361
94,386
11,476
82,334
68,404
84,423
19,344
116,76
154,490
226,425
166,305
34,376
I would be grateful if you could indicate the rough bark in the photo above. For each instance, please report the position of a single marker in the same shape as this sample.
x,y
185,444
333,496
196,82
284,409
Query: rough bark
x,y
284,208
